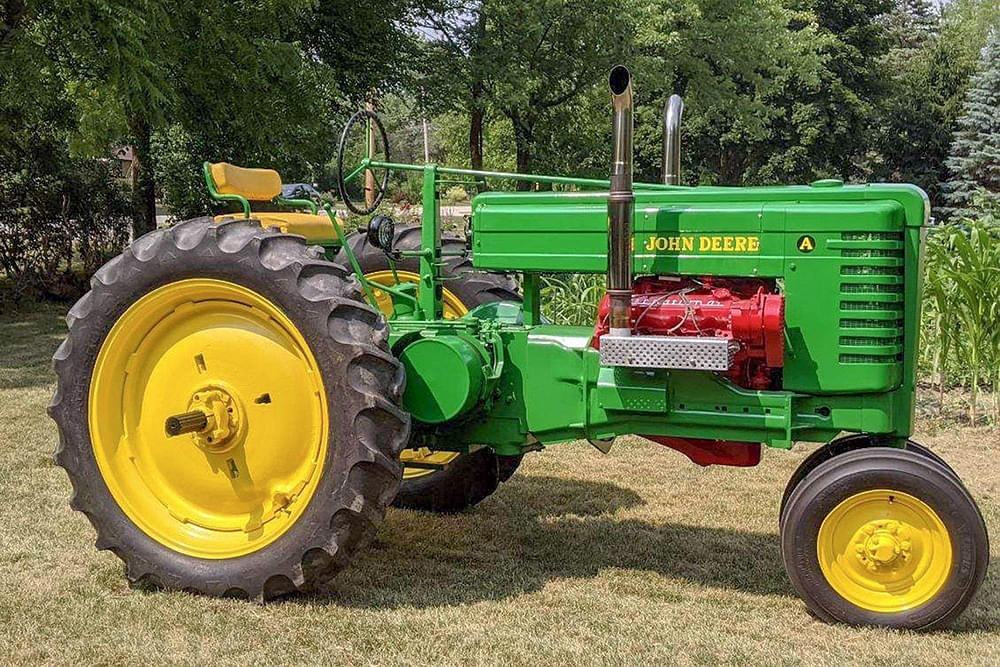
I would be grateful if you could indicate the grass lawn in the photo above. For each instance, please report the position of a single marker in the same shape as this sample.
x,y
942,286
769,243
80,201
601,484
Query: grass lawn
x,y
637,557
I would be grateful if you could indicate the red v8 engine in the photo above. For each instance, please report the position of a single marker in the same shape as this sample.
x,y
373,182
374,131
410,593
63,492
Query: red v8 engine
x,y
749,312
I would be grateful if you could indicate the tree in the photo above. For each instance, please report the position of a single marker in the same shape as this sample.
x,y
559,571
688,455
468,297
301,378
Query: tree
x,y
257,81
453,68
546,54
828,116
974,161
913,127
527,62
733,63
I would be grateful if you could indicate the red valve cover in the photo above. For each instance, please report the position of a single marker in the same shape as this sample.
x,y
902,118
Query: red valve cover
x,y
747,311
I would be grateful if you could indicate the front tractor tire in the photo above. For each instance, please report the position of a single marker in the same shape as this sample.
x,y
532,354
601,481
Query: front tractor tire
x,y
881,536
466,479
282,453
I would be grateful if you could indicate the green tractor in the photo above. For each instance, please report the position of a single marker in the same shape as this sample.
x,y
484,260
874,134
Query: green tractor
x,y
240,398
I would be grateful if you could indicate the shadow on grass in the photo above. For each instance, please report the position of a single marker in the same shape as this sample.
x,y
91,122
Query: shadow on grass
x,y
28,339
538,529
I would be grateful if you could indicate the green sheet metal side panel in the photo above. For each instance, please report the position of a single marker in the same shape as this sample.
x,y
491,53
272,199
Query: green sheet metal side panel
x,y
545,231
554,389
565,232
853,291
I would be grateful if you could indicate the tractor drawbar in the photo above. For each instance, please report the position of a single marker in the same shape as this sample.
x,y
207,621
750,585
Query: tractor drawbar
x,y
621,201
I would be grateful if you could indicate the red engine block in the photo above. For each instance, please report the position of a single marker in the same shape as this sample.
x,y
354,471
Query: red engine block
x,y
747,311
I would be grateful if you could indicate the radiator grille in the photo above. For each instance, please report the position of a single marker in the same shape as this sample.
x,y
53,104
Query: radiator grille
x,y
871,297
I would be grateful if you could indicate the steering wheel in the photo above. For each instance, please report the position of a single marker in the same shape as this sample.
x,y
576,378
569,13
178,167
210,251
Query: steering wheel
x,y
347,142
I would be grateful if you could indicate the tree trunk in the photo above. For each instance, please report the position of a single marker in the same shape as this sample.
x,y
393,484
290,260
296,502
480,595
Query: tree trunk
x,y
144,183
476,114
522,142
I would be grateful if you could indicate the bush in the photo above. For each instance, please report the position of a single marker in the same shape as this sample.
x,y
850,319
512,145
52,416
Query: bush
x,y
60,219
178,157
456,194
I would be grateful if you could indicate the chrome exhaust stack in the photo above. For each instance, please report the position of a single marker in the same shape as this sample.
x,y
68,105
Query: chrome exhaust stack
x,y
672,112
621,202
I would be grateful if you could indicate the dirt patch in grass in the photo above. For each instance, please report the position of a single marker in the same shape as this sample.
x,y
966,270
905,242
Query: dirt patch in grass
x,y
637,557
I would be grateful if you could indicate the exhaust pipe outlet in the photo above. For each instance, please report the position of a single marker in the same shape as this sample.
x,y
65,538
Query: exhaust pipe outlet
x,y
621,202
672,112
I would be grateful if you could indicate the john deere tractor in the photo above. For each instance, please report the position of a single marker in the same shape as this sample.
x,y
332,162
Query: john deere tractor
x,y
240,398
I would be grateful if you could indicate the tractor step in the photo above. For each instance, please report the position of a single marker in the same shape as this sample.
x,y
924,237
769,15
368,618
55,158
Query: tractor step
x,y
681,352
425,466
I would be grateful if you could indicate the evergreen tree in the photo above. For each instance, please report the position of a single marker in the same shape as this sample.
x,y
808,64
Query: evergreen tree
x,y
910,27
974,161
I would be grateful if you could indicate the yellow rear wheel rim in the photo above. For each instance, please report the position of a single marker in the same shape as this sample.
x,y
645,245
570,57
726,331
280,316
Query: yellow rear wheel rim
x,y
216,346
453,309
451,305
885,551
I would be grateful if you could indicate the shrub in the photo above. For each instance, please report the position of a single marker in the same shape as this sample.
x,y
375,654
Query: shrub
x,y
60,219
456,194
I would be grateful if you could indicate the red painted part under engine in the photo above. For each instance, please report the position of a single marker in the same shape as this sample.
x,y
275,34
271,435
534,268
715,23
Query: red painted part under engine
x,y
745,310
712,452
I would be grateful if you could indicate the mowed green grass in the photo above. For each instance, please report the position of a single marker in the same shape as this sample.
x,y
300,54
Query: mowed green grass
x,y
637,557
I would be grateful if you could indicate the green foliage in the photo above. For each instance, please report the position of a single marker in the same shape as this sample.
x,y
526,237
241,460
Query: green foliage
x,y
962,305
974,161
732,87
571,298
60,218
456,194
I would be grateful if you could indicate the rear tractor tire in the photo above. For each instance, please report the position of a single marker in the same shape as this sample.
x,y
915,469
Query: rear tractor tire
x,y
228,411
469,478
881,536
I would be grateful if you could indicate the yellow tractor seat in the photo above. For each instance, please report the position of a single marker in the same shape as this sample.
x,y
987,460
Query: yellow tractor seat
x,y
228,182
315,228
254,184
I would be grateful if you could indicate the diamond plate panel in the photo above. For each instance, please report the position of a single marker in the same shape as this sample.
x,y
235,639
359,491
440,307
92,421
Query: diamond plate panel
x,y
683,352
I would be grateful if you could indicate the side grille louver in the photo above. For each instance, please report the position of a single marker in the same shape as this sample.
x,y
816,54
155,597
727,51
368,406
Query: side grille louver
x,y
871,297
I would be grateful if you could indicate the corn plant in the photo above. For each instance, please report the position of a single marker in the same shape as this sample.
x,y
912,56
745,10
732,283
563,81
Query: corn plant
x,y
938,309
963,292
572,298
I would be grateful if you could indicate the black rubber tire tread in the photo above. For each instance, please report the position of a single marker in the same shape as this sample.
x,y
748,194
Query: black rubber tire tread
x,y
471,477
840,446
507,466
363,381
889,468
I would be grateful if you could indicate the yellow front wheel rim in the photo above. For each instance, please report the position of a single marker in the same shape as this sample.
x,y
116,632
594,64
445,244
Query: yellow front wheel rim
x,y
885,551
217,347
453,308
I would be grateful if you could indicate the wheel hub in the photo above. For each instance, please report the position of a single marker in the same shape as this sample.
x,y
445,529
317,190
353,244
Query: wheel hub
x,y
883,545
208,418
225,426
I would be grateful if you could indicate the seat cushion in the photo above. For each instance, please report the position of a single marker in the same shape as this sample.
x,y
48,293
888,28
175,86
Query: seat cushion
x,y
316,228
254,184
